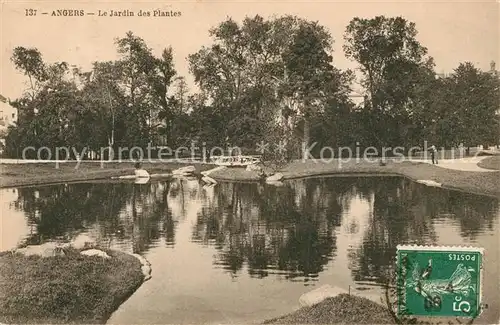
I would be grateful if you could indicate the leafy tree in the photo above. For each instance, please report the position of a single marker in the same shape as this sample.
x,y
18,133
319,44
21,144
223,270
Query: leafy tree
x,y
160,79
117,103
145,80
29,61
471,114
105,104
391,60
222,73
307,65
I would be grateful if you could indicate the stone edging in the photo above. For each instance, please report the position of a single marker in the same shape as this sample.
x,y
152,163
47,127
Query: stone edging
x,y
145,266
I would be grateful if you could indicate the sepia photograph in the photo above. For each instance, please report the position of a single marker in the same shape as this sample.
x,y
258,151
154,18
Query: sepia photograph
x,y
249,162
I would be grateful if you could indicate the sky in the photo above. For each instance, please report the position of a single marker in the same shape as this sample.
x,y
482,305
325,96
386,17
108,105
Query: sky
x,y
453,31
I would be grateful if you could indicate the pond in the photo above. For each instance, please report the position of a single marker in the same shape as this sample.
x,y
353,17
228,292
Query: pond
x,y
245,252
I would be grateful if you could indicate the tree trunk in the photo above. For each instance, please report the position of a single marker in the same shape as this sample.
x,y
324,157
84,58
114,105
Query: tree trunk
x,y
371,89
306,137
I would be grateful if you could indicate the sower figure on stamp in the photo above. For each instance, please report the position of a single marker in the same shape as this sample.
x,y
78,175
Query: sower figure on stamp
x,y
432,289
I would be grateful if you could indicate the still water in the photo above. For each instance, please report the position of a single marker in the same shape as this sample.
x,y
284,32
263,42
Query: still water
x,y
242,253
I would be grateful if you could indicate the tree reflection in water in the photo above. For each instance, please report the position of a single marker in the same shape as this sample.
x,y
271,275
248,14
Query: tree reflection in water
x,y
288,232
405,212
62,211
133,216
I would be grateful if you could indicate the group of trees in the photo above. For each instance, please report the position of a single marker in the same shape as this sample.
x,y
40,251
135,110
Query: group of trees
x,y
117,104
261,80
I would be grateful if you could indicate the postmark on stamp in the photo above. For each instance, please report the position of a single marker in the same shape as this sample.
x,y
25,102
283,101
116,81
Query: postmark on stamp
x,y
439,281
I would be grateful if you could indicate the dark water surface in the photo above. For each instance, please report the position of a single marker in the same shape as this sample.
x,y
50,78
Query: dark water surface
x,y
241,253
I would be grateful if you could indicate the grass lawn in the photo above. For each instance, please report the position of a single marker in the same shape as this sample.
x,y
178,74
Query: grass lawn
x,y
342,309
65,289
490,163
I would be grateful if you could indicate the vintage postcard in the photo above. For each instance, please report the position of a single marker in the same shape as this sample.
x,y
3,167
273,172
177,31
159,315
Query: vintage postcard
x,y
249,162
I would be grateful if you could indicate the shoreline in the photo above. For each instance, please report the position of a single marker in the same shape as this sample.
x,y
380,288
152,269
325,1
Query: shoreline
x,y
479,183
41,174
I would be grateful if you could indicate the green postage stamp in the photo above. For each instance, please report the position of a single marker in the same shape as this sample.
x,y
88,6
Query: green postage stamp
x,y
439,281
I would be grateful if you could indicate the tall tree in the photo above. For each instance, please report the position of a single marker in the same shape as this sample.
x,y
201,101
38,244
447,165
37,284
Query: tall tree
x,y
222,73
390,58
146,80
312,79
160,79
105,106
475,103
29,61
117,103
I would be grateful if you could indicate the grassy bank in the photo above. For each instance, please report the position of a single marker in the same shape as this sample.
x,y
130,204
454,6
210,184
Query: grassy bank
x,y
46,173
490,163
342,309
65,289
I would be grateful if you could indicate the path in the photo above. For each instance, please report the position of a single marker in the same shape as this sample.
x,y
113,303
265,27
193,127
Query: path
x,y
463,164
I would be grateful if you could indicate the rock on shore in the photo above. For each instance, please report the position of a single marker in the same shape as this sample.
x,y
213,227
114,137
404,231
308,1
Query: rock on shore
x,y
43,250
95,252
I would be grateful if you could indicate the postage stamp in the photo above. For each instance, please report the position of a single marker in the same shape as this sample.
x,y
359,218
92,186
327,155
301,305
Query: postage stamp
x,y
435,281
